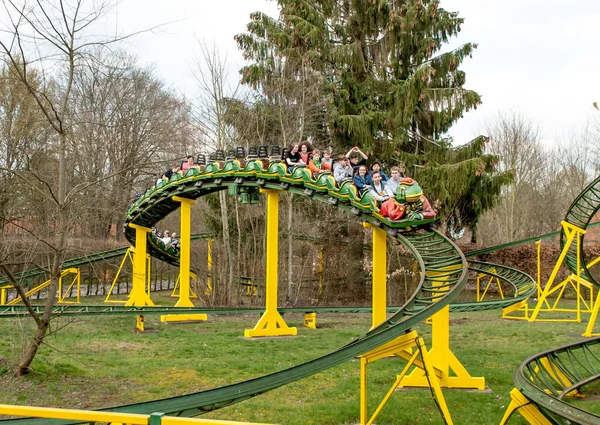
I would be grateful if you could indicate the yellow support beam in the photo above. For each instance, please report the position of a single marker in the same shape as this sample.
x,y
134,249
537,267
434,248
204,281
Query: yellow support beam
x,y
527,409
271,323
185,250
452,373
114,418
138,296
176,318
209,260
407,347
379,285
76,281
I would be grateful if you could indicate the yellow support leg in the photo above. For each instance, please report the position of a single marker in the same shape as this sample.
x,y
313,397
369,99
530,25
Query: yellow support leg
x,y
379,285
138,296
271,323
408,347
209,263
139,323
573,233
310,320
527,409
452,373
589,330
184,252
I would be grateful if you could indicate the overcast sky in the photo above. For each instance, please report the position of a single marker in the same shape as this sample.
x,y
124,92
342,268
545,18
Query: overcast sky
x,y
537,57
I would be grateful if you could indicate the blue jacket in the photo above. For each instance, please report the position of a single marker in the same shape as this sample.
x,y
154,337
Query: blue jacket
x,y
362,183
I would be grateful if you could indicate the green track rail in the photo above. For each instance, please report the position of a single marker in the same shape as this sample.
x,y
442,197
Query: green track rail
x,y
106,310
580,214
92,258
547,387
523,286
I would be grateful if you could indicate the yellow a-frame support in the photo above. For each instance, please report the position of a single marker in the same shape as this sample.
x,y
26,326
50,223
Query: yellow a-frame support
x,y
271,323
451,373
407,347
61,294
491,280
574,234
193,293
128,256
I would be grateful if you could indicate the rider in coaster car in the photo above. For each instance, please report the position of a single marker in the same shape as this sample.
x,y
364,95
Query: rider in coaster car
x,y
409,203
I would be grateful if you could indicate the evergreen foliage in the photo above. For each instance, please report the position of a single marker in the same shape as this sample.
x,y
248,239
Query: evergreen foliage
x,y
384,84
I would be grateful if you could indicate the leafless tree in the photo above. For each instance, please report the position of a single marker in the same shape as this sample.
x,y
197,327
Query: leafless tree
x,y
128,127
516,141
53,38
212,80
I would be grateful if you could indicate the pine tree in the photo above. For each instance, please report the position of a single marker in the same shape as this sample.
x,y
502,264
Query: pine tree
x,y
387,86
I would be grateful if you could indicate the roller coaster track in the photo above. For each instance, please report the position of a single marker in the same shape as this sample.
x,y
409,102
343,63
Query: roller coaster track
x,y
580,214
87,259
443,272
550,378
522,284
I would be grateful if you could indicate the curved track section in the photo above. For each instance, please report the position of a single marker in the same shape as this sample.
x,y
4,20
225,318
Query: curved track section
x,y
580,214
548,379
74,262
523,286
442,266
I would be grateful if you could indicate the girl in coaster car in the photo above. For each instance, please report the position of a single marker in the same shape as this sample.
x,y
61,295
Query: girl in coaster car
x,y
409,203
305,152
292,158
360,180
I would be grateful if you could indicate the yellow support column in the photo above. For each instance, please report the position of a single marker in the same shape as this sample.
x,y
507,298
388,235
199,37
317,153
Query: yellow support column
x,y
271,323
443,359
379,285
209,263
184,251
138,296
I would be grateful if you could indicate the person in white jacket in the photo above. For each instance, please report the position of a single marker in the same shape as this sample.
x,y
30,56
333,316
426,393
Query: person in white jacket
x,y
341,169
377,190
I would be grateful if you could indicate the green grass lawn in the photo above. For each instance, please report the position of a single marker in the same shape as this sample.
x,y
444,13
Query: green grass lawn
x,y
92,362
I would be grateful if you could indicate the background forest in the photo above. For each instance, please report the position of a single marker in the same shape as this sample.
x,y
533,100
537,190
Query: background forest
x,y
83,128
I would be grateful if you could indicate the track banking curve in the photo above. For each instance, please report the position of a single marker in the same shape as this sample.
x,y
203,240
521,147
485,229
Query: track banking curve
x,y
548,378
580,214
443,271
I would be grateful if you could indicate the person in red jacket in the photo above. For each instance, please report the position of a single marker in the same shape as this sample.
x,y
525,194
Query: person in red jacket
x,y
409,203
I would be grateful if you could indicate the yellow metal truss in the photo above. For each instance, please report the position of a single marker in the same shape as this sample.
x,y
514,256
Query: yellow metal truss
x,y
450,371
408,347
62,295
129,255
